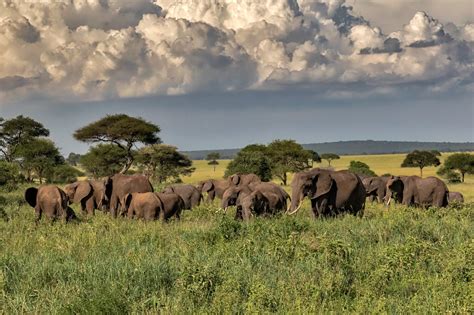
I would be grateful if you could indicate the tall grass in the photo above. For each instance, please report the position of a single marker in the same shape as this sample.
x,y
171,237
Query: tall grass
x,y
397,261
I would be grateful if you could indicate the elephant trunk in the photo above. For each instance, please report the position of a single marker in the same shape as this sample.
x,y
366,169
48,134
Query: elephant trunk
x,y
296,201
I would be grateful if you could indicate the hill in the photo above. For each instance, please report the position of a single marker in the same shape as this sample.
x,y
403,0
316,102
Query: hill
x,y
357,147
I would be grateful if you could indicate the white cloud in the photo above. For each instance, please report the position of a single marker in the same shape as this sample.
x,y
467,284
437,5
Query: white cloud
x,y
99,49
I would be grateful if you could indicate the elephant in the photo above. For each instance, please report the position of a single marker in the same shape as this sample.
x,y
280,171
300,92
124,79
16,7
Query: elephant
x,y
375,187
232,194
244,179
50,200
173,205
259,203
145,206
331,192
191,195
455,197
90,194
214,188
119,185
417,191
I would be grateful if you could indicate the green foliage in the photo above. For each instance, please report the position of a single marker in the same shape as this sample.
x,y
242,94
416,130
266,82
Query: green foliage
x,y
163,162
212,158
462,163
330,157
73,159
253,158
360,168
288,156
314,157
421,159
38,157
402,261
63,174
103,160
18,131
9,176
121,130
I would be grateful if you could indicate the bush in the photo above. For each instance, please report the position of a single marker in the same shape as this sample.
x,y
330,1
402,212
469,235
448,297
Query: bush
x,y
360,168
64,174
10,176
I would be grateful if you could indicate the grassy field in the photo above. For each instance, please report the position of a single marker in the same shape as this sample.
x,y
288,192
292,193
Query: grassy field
x,y
397,261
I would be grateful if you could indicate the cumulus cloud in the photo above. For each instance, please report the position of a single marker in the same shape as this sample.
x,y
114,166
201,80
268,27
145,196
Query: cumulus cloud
x,y
99,49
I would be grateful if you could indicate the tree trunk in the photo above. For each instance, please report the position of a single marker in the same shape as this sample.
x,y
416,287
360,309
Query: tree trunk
x,y
462,177
285,179
421,172
127,165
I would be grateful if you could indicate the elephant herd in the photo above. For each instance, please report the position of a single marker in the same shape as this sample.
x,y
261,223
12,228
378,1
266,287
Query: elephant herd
x,y
330,193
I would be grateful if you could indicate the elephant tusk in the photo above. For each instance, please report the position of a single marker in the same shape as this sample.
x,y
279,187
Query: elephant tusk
x,y
225,209
389,201
297,208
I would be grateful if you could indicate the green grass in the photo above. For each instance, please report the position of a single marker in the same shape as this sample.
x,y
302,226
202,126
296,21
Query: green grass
x,y
397,261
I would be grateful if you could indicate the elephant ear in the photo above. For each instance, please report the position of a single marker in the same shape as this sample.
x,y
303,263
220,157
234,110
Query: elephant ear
x,y
235,179
30,196
207,186
83,189
324,184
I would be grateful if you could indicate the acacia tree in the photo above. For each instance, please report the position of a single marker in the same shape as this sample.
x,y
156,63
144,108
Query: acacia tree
x,y
288,156
121,130
104,159
212,158
162,161
330,157
360,168
458,162
421,159
18,131
253,158
314,157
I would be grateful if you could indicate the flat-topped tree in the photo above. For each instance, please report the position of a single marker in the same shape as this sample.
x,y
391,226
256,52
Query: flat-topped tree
x,y
212,159
421,159
329,157
121,130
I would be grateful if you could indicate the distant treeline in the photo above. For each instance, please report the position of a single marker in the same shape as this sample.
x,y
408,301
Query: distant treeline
x,y
357,148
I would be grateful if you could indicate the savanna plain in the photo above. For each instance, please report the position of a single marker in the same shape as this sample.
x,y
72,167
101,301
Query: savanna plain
x,y
398,260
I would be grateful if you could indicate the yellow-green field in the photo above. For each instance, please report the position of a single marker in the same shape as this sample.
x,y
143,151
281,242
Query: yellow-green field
x,y
380,164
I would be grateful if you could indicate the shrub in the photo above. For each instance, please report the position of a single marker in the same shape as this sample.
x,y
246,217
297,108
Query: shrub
x,y
10,176
64,174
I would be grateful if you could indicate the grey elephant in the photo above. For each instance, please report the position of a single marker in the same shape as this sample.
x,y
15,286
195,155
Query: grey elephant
x,y
375,188
120,185
417,191
173,205
331,192
191,195
213,188
455,197
51,201
90,194
259,203
244,179
232,194
145,206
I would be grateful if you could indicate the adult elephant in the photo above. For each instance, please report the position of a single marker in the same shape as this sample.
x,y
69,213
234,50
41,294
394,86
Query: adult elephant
x,y
244,179
331,192
417,191
145,206
90,194
50,200
375,187
120,185
455,197
191,195
173,205
214,188
259,203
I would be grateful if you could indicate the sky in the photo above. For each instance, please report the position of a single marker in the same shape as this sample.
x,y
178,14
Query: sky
x,y
222,74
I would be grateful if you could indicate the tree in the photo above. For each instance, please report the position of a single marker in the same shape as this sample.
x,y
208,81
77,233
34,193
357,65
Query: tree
x,y
462,163
9,176
421,159
103,160
329,157
315,157
17,131
288,156
163,161
121,130
251,159
38,157
73,159
212,158
62,174
360,168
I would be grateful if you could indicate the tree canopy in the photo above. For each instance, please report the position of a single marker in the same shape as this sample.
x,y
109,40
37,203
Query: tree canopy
x,y
162,162
330,157
288,156
17,131
103,160
251,159
421,159
212,159
360,168
462,163
121,130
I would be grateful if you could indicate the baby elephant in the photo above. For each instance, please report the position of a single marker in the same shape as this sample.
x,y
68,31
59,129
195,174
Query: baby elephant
x,y
151,206
455,197
50,200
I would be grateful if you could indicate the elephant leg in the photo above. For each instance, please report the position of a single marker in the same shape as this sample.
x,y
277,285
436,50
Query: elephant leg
x,y
90,206
113,206
238,214
314,208
211,196
322,207
38,214
178,215
130,213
